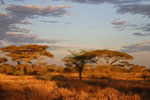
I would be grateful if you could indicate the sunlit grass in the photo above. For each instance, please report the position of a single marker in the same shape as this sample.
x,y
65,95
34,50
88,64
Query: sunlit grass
x,y
30,88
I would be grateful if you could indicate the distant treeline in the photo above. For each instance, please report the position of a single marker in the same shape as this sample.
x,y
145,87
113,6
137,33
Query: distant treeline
x,y
28,61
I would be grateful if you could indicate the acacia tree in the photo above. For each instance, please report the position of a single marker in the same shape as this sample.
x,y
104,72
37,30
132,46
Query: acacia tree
x,y
109,57
27,54
3,60
78,60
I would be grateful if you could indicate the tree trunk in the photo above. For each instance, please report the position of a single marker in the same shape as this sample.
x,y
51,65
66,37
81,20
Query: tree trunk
x,y
80,74
37,62
18,62
31,64
25,70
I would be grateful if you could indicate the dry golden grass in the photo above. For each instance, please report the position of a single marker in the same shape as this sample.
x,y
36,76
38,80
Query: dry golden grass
x,y
30,88
116,75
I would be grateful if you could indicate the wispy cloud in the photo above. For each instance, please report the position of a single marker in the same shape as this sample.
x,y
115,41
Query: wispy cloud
x,y
55,47
139,9
29,38
20,14
104,1
123,7
118,22
49,21
16,28
145,28
143,46
142,34
142,9
31,11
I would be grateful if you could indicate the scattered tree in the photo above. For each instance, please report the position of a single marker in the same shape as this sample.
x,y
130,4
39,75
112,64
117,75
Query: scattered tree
x,y
137,68
79,60
144,76
27,54
109,57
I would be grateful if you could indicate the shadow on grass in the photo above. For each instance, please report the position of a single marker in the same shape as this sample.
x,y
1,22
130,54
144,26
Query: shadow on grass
x,y
140,87
1,93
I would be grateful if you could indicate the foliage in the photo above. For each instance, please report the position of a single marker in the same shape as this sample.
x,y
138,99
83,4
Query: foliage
x,y
137,68
7,68
39,71
3,60
15,70
28,57
110,57
50,68
46,76
67,70
78,60
145,76
27,54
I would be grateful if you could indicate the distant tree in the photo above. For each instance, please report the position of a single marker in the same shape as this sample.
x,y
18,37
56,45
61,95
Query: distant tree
x,y
3,60
109,57
137,68
67,70
27,54
144,76
79,60
148,70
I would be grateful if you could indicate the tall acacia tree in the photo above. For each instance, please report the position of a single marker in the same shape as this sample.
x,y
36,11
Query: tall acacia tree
x,y
79,60
27,54
110,57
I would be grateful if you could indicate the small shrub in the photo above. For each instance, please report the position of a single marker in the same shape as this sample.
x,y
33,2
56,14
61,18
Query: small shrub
x,y
47,76
39,71
93,76
103,77
7,69
18,73
67,70
144,76
58,77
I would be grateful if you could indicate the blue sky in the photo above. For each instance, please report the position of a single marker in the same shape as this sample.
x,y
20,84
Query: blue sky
x,y
78,24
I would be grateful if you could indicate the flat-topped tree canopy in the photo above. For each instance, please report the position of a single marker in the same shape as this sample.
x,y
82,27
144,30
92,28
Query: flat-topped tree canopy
x,y
79,60
27,53
110,56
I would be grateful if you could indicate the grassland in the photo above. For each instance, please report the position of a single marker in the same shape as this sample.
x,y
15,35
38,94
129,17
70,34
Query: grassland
x,y
67,87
